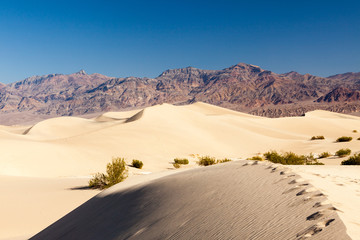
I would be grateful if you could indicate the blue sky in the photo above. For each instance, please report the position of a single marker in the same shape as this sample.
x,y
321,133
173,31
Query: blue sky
x,y
144,38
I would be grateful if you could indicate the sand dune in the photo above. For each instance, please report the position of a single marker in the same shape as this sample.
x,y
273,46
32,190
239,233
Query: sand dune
x,y
65,147
70,146
231,201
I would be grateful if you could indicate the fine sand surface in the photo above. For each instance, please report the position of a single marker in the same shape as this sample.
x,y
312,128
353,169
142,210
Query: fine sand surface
x,y
236,200
341,185
31,204
62,153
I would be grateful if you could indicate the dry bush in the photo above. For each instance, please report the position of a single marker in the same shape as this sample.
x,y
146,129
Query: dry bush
x,y
116,172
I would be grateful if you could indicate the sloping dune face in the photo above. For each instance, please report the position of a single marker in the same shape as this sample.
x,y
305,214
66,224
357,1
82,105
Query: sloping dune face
x,y
70,146
239,200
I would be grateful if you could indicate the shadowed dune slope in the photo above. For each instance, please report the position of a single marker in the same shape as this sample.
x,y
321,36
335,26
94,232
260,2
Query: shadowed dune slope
x,y
238,200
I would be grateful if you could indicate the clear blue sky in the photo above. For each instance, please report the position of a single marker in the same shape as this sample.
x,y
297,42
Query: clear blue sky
x,y
144,38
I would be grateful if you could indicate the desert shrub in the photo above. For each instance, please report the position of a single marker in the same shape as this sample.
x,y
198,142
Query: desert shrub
x,y
206,161
293,159
353,160
116,172
273,156
324,155
176,165
317,137
344,139
256,158
343,152
315,163
99,180
358,138
354,131
289,158
137,163
181,161
223,160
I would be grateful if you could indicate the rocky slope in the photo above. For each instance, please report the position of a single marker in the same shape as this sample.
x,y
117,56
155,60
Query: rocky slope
x,y
241,87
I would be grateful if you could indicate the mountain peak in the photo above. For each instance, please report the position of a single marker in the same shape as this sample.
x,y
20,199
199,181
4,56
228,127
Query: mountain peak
x,y
81,72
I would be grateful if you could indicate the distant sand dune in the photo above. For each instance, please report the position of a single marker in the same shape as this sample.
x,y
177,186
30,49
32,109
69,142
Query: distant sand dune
x,y
69,146
228,201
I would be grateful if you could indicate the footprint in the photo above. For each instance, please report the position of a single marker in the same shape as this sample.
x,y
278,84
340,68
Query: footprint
x,y
320,213
284,172
320,204
315,216
311,231
308,190
299,180
319,195
314,229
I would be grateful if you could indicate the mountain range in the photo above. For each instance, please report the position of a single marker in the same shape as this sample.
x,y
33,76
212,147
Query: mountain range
x,y
243,87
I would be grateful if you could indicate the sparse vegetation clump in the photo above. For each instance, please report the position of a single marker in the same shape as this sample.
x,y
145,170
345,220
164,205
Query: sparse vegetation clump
x,y
358,138
256,158
324,155
176,165
206,161
137,163
273,156
116,172
317,138
223,160
289,158
343,152
183,161
344,139
354,131
353,160
315,163
180,161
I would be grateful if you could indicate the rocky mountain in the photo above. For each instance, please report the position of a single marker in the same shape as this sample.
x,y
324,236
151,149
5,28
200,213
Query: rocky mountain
x,y
242,87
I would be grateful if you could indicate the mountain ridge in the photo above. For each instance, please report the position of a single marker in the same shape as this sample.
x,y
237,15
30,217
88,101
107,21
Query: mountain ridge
x,y
242,87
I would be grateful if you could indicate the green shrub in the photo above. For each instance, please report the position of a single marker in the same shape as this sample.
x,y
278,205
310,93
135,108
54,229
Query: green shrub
x,y
317,137
293,159
315,163
324,155
181,161
176,165
344,139
137,163
223,160
256,158
343,152
206,161
273,156
116,172
99,180
289,158
353,160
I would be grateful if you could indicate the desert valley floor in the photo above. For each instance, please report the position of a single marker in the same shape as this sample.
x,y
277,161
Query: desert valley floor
x,y
44,170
